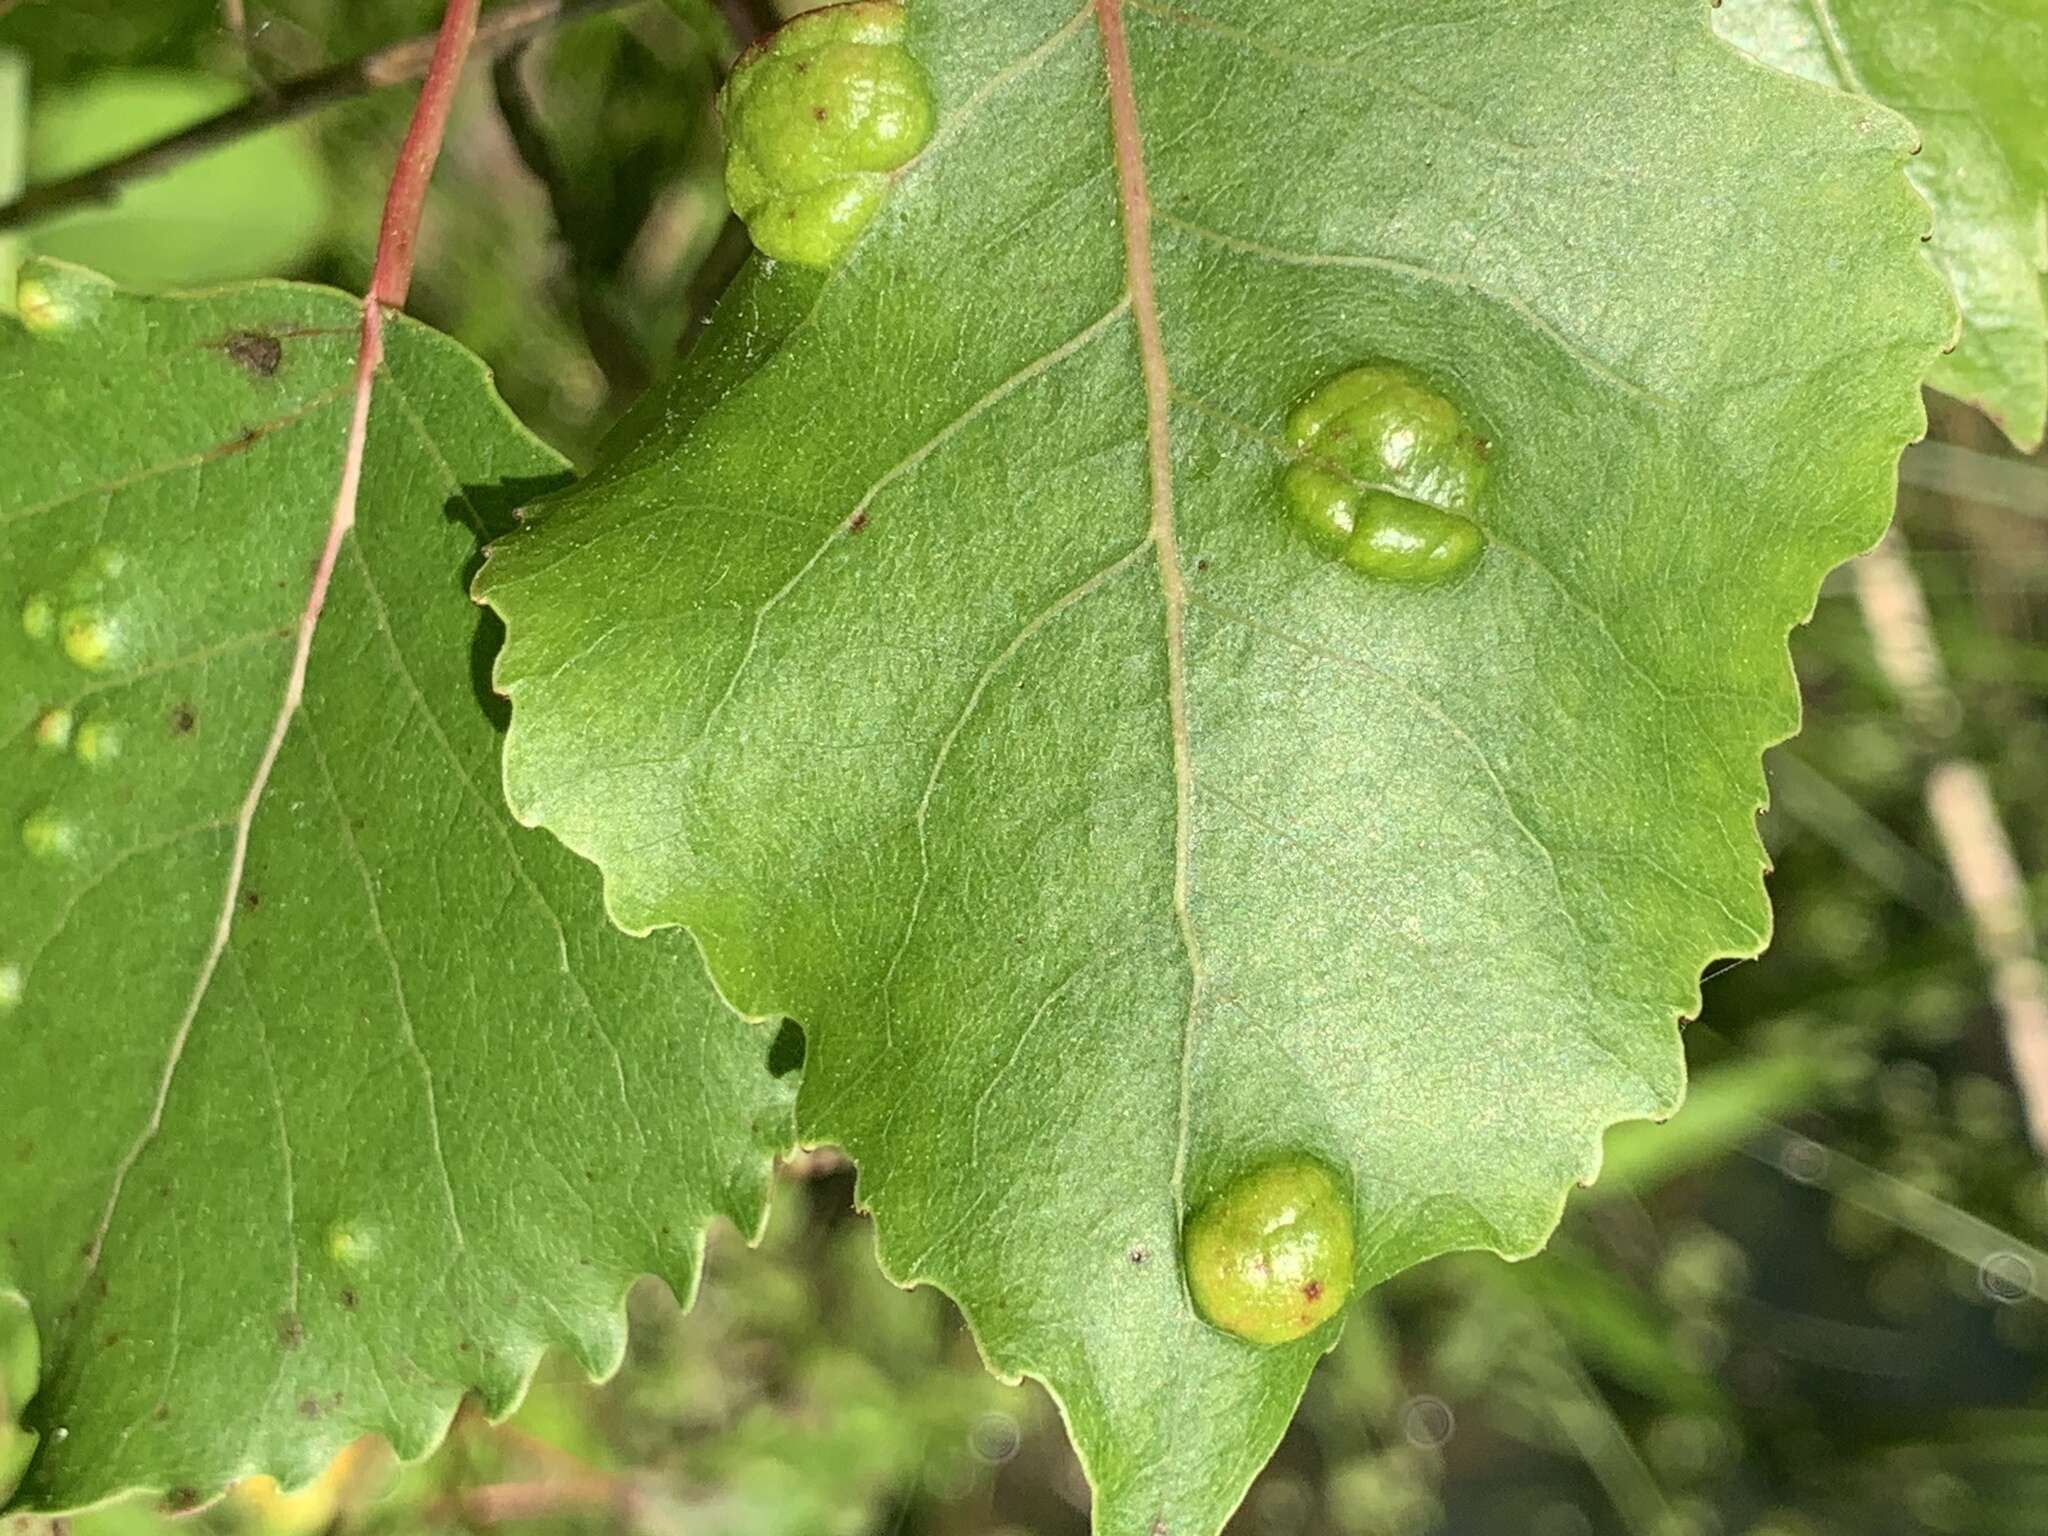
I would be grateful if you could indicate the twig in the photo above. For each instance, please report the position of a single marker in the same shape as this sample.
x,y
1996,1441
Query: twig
x,y
388,66
1965,816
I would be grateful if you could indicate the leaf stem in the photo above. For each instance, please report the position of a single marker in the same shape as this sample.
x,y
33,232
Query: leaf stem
x,y
392,276
391,65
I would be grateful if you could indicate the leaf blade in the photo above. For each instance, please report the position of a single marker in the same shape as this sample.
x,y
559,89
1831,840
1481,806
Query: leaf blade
x,y
433,1115
850,656
1971,80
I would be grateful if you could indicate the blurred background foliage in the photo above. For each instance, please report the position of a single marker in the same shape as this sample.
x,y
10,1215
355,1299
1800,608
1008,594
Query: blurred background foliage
x,y
1811,1304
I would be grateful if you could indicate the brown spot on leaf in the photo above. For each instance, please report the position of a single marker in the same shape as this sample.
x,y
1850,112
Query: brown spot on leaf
x,y
309,1408
819,113
251,899
291,1330
349,1299
1139,1254
260,354
183,720
1313,1291
181,1499
161,1412
858,522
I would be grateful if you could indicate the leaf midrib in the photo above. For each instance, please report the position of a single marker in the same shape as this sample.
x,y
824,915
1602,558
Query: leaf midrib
x,y
1135,201
369,354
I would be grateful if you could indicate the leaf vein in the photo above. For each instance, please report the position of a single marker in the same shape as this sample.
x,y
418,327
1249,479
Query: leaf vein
x,y
903,468
485,804
1462,281
404,1007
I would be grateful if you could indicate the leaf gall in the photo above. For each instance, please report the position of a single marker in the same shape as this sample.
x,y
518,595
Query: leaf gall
x,y
51,836
1388,475
89,639
1269,1257
52,729
817,117
38,617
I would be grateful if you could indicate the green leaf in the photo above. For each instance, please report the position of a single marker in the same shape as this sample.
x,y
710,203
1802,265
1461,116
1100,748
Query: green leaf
x,y
69,39
13,159
941,648
248,210
428,1113
1974,80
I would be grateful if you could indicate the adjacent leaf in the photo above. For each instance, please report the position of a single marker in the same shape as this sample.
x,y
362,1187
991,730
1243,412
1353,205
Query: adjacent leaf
x,y
67,39
428,1113
942,648
248,210
1974,80
13,158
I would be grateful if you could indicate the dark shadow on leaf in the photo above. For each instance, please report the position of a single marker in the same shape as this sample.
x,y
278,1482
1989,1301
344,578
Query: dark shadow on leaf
x,y
786,1053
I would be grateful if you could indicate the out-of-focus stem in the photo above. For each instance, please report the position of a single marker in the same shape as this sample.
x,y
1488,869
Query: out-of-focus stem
x,y
1966,819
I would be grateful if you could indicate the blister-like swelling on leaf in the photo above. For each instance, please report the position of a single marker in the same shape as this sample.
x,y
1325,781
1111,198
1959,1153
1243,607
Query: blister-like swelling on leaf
x,y
1388,475
422,1112
1974,80
52,729
51,298
817,117
940,646
1269,1256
